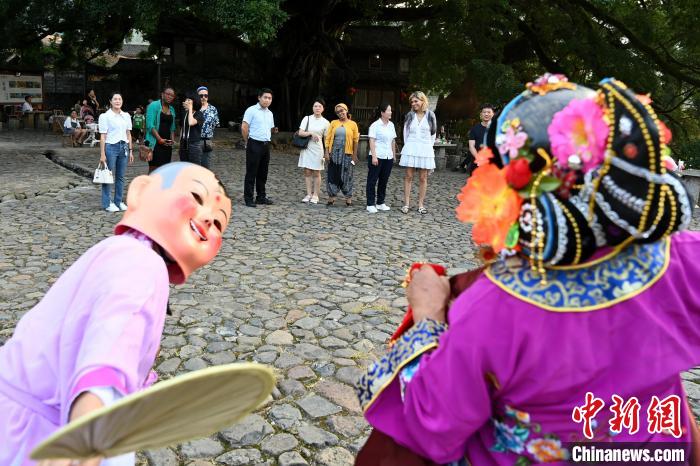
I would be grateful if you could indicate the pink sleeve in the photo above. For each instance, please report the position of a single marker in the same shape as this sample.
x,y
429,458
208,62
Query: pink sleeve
x,y
120,336
446,397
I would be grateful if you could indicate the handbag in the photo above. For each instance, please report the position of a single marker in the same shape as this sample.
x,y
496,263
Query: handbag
x,y
103,175
145,153
207,146
299,141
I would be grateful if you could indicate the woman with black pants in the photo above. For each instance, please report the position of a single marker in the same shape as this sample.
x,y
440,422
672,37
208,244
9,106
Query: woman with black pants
x,y
382,154
191,132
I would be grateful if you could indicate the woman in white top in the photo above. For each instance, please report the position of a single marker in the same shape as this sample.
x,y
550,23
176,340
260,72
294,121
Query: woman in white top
x,y
419,132
311,158
72,126
115,148
382,155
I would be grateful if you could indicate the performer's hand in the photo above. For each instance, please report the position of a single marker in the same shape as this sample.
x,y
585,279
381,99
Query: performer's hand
x,y
83,404
427,294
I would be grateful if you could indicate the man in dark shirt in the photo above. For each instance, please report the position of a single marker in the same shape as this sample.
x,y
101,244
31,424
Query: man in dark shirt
x,y
477,137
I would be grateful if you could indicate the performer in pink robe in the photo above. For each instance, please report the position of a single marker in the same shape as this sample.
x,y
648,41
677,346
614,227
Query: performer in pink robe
x,y
590,292
99,326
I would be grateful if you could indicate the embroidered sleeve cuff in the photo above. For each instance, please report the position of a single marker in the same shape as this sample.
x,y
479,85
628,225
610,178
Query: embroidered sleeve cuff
x,y
422,337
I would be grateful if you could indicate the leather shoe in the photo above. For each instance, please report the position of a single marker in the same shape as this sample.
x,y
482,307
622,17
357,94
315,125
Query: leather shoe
x,y
265,201
250,204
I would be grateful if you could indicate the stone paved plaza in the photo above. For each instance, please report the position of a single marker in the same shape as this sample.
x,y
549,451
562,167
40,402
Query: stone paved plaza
x,y
310,290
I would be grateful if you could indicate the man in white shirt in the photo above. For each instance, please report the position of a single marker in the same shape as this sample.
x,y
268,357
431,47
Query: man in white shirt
x,y
27,105
257,128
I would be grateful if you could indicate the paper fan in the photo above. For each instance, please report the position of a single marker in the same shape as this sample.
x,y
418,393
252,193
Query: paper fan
x,y
185,407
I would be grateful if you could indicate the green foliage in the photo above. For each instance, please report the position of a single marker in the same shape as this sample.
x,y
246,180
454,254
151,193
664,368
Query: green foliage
x,y
500,45
89,28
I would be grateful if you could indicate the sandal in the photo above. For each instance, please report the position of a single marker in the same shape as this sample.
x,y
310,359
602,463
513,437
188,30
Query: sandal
x,y
404,209
422,210
331,201
348,202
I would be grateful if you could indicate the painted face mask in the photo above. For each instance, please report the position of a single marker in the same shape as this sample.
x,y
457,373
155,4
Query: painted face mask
x,y
184,209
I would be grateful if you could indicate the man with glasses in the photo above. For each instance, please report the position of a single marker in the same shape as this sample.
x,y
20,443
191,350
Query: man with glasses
x,y
211,121
257,128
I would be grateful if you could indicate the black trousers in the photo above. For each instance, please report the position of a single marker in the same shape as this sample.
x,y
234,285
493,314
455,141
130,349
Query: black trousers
x,y
468,163
257,161
191,151
379,173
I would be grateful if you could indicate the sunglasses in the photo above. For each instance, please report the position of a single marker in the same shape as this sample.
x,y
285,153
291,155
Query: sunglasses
x,y
206,96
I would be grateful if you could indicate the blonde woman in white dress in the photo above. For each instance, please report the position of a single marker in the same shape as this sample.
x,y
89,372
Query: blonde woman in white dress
x,y
417,153
311,158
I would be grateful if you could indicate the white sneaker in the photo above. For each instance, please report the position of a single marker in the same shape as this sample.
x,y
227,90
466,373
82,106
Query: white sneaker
x,y
314,200
307,198
371,209
112,208
122,206
383,207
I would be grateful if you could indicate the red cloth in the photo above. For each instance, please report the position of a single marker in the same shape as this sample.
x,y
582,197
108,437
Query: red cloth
x,y
380,449
458,283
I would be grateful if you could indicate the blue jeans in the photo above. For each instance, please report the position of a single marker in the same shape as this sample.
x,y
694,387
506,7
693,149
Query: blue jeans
x,y
117,160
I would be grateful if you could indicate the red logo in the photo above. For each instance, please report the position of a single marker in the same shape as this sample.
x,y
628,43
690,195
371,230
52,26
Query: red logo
x,y
587,412
624,415
664,416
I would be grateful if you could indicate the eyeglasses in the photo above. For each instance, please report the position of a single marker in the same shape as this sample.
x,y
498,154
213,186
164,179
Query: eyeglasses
x,y
206,96
169,93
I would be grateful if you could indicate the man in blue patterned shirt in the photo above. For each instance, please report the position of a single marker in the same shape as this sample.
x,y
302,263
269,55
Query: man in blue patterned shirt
x,y
211,121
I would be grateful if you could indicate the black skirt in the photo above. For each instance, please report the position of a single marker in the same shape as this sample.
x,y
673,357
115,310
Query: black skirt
x,y
162,154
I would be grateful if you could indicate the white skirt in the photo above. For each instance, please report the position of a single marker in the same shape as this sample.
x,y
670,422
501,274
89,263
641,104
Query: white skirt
x,y
427,163
312,156
417,155
310,161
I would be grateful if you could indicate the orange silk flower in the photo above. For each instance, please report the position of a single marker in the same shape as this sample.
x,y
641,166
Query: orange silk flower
x,y
490,204
483,157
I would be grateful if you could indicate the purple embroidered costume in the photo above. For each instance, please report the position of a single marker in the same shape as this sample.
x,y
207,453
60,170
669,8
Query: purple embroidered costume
x,y
504,365
98,326
600,298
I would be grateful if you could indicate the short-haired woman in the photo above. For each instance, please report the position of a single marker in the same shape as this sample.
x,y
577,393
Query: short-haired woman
x,y
419,131
115,150
160,129
382,154
341,153
311,158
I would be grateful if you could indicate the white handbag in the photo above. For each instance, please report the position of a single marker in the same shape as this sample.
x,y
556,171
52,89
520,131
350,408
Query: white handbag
x,y
103,175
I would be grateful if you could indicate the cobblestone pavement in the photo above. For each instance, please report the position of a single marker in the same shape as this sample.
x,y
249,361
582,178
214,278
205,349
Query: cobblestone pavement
x,y
312,291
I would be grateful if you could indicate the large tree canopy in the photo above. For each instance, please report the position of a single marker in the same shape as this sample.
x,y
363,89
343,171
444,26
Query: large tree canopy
x,y
89,28
494,45
499,45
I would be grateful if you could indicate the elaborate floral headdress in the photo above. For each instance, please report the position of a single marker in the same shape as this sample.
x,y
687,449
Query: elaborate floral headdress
x,y
582,169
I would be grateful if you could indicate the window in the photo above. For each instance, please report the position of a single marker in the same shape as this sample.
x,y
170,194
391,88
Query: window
x,y
375,62
403,65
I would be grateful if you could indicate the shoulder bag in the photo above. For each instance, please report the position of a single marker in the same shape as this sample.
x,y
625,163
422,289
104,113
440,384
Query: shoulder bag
x,y
301,141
